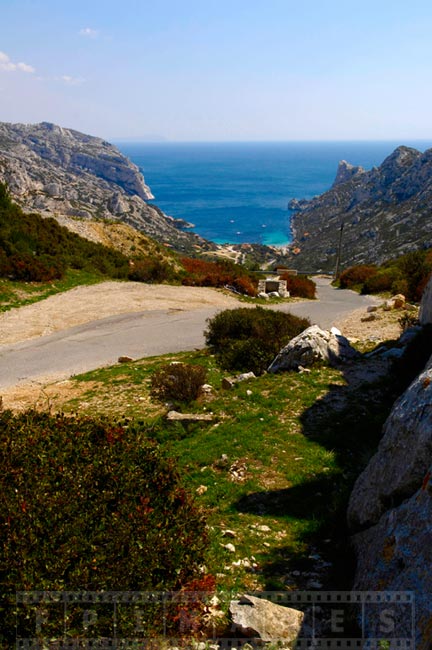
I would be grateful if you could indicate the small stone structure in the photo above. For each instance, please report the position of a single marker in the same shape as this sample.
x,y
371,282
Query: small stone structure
x,y
271,285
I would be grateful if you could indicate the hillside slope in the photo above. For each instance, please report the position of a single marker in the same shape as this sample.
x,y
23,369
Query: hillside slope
x,y
61,172
385,212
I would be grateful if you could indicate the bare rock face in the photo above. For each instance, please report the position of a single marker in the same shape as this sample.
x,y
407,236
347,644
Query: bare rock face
x,y
263,620
312,345
385,212
402,459
395,555
346,171
61,172
425,313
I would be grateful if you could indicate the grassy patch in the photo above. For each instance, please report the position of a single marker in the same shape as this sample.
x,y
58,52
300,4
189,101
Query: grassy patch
x,y
275,466
17,294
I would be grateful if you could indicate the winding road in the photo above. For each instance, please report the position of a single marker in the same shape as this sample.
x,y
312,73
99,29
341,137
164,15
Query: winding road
x,y
143,334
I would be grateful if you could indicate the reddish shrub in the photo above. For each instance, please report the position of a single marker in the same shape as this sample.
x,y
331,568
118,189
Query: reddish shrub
x,y
202,273
299,286
356,275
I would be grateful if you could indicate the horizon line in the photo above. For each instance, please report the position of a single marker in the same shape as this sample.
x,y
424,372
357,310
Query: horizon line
x,y
139,140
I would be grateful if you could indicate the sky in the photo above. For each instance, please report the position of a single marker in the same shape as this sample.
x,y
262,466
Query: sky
x,y
220,70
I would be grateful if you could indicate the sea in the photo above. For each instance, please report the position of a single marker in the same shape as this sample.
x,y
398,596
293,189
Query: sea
x,y
238,192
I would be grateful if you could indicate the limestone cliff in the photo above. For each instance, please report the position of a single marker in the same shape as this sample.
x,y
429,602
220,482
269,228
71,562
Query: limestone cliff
x,y
385,212
61,172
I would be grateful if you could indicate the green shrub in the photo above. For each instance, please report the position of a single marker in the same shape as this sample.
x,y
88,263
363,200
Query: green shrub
x,y
382,281
90,505
151,270
29,268
180,382
249,339
356,276
299,286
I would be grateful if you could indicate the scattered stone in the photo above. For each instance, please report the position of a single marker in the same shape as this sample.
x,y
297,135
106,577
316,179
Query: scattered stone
x,y
264,529
229,547
303,370
248,392
372,308
229,533
206,389
201,489
371,317
263,620
228,383
273,294
263,295
175,416
238,471
124,359
314,344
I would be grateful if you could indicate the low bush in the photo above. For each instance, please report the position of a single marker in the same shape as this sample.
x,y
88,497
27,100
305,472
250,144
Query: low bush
x,y
90,505
407,274
203,273
382,281
180,382
356,276
299,286
249,339
29,268
151,270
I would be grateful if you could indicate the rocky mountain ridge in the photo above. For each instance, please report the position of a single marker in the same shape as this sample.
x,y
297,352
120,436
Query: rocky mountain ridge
x,y
385,212
64,173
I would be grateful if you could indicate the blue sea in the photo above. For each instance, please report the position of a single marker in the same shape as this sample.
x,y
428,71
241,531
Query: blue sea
x,y
239,192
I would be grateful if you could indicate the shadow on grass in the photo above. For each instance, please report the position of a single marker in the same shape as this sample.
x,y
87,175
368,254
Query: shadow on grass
x,y
348,421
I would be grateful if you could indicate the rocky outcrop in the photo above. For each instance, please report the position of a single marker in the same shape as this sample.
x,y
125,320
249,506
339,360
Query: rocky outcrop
x,y
390,511
385,212
63,173
425,312
312,345
403,457
265,621
346,171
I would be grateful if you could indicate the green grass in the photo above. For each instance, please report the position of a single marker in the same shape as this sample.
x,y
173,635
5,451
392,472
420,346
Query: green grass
x,y
17,294
299,441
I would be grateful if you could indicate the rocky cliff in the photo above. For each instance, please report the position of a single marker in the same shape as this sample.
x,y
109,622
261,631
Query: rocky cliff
x,y
385,212
63,173
390,509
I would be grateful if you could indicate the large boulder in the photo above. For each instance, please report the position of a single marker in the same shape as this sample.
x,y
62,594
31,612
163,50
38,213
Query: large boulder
x,y
312,345
265,621
402,459
395,555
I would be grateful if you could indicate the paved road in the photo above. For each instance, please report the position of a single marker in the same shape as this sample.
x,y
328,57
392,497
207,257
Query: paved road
x,y
141,334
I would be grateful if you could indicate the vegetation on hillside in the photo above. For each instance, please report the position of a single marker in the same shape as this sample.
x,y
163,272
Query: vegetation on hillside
x,y
38,250
249,339
281,453
407,274
90,505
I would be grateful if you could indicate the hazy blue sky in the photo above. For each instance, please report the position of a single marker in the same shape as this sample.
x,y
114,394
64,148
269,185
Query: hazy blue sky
x,y
219,69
